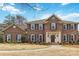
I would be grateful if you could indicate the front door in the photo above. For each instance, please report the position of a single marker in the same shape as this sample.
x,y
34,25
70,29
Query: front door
x,y
52,38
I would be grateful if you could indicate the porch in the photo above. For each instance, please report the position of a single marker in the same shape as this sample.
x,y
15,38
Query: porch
x,y
53,37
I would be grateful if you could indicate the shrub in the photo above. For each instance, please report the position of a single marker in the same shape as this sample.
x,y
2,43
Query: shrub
x,y
1,39
78,42
23,39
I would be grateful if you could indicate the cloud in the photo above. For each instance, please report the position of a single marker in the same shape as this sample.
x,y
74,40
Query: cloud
x,y
1,4
64,4
44,16
37,8
11,9
68,17
12,3
71,17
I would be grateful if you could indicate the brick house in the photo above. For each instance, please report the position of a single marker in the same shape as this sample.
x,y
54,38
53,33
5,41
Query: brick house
x,y
50,30
14,33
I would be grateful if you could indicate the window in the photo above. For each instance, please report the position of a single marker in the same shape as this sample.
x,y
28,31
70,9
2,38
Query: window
x,y
65,26
76,26
8,37
40,26
33,37
65,37
69,26
40,37
14,26
53,26
19,38
72,37
36,26
32,26
72,26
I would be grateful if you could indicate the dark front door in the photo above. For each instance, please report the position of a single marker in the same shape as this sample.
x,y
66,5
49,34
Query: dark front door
x,y
52,38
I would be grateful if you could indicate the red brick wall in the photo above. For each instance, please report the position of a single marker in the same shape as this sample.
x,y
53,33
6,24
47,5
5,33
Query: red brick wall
x,y
13,32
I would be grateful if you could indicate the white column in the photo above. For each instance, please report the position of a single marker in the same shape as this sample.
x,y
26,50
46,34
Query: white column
x,y
58,38
48,38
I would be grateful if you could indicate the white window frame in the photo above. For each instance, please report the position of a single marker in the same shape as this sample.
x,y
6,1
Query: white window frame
x,y
33,36
32,26
53,26
9,38
41,36
14,26
72,35
40,26
72,26
65,35
19,37
65,26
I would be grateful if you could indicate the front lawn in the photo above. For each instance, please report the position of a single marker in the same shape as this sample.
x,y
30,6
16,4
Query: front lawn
x,y
72,46
20,46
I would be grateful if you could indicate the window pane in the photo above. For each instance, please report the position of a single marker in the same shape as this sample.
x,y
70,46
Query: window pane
x,y
19,38
8,37
53,26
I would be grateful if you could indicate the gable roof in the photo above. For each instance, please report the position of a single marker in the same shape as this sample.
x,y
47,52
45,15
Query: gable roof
x,y
69,22
55,17
59,19
37,21
22,27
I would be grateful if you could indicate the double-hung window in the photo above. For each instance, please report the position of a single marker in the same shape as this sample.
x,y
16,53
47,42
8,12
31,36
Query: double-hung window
x,y
40,37
72,26
19,38
8,37
33,37
40,26
32,26
65,26
53,26
65,37
72,37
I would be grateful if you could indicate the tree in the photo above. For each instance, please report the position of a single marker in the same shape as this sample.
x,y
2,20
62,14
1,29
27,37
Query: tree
x,y
20,19
14,19
9,19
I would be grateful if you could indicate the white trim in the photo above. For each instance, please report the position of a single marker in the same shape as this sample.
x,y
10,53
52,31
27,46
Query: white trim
x,y
72,26
65,26
53,26
32,26
40,26
8,37
18,37
65,36
33,37
41,37
72,35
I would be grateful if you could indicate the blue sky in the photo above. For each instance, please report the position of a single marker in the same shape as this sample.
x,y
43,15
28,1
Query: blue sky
x,y
36,11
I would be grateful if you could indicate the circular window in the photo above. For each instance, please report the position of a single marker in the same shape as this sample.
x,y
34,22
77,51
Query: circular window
x,y
14,26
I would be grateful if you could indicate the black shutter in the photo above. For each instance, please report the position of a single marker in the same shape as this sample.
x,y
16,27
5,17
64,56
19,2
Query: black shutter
x,y
16,37
43,26
67,27
50,26
43,38
56,26
11,38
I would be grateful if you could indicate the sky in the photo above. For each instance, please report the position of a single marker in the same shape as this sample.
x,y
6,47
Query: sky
x,y
36,11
